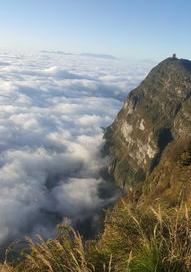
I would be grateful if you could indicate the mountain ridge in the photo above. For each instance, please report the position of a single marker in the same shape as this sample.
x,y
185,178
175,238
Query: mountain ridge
x,y
154,115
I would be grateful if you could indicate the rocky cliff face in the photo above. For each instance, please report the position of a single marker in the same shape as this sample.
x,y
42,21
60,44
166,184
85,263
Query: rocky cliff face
x,y
155,115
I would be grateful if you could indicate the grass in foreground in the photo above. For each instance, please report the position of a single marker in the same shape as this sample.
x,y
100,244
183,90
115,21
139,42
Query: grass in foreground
x,y
134,240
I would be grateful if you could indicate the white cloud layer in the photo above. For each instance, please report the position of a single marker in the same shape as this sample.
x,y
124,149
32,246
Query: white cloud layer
x,y
52,108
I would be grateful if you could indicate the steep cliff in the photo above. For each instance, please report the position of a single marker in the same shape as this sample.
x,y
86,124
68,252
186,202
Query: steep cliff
x,y
155,118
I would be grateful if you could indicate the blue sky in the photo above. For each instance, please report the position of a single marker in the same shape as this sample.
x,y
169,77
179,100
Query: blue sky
x,y
124,28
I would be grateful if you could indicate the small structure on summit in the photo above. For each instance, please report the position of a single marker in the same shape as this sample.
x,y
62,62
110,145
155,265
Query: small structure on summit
x,y
174,56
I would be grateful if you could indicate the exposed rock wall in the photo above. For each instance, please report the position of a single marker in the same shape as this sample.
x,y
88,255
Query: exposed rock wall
x,y
155,114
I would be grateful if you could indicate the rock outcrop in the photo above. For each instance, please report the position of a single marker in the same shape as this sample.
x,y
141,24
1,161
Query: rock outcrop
x,y
155,118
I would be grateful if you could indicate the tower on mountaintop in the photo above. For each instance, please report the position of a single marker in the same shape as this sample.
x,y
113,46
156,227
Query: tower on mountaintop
x,y
174,56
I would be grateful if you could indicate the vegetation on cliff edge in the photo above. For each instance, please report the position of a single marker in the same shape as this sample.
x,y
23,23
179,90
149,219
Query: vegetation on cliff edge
x,y
134,240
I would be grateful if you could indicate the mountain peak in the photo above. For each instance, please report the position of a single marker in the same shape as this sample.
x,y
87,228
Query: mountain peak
x,y
175,63
155,114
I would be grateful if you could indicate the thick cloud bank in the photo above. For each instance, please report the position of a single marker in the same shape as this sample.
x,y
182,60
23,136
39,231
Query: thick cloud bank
x,y
52,108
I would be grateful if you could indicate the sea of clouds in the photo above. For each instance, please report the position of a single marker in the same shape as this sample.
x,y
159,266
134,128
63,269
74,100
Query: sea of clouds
x,y
52,110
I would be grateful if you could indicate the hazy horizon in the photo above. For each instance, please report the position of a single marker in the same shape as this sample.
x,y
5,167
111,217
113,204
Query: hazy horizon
x,y
141,29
